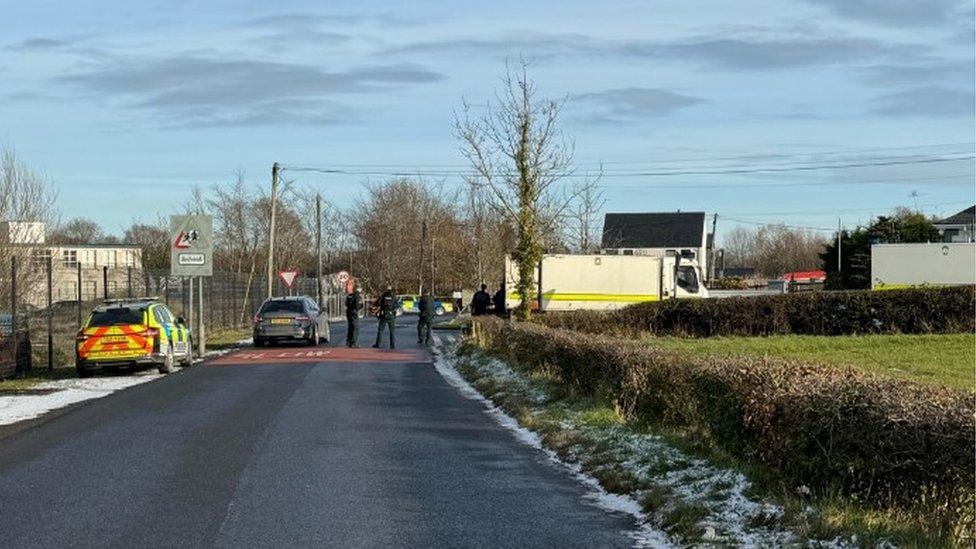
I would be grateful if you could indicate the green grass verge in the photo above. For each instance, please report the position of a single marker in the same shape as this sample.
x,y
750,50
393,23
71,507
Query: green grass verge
x,y
948,359
577,429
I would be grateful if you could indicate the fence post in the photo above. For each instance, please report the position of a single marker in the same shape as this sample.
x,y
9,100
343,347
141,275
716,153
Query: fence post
x,y
129,274
13,313
50,314
105,282
78,268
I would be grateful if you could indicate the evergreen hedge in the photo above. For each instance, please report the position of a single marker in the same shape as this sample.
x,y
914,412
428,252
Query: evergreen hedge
x,y
909,311
836,430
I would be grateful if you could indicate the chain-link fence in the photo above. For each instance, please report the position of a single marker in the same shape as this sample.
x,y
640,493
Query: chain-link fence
x,y
44,304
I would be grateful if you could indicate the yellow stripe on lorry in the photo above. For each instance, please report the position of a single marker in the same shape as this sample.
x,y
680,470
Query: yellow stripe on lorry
x,y
607,298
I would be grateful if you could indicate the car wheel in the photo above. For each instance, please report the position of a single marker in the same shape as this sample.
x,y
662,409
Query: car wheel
x,y
188,359
84,372
167,366
259,342
313,339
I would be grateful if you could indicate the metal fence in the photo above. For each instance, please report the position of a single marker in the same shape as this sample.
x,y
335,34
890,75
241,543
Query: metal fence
x,y
44,304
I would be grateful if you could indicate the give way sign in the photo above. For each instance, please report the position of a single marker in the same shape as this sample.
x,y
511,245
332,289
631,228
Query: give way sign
x,y
288,277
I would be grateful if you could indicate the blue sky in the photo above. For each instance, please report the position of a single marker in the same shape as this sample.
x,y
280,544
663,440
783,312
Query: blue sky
x,y
126,105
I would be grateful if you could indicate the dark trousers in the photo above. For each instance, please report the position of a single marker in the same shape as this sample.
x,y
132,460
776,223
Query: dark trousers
x,y
423,330
386,322
352,331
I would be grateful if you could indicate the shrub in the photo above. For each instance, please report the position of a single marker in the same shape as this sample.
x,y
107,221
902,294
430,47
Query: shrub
x,y
836,430
910,311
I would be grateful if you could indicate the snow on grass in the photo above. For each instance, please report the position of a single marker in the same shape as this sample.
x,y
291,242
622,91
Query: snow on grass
x,y
65,392
644,534
695,500
52,395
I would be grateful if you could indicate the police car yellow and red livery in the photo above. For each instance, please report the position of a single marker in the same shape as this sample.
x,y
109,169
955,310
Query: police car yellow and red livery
x,y
132,332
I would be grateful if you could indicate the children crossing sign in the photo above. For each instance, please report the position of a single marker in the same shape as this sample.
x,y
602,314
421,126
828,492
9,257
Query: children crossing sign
x,y
191,245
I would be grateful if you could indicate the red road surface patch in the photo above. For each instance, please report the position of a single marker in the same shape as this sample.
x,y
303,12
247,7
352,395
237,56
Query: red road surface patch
x,y
319,354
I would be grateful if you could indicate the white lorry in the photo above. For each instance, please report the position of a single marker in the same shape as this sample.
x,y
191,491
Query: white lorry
x,y
895,266
603,282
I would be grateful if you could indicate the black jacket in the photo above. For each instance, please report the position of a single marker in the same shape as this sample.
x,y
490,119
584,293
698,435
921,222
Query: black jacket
x,y
498,300
426,307
387,304
480,303
354,302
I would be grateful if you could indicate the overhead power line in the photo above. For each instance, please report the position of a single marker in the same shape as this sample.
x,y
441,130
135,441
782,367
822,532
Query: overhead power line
x,y
663,173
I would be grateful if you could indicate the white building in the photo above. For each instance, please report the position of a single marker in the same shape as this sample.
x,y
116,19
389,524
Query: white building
x,y
105,268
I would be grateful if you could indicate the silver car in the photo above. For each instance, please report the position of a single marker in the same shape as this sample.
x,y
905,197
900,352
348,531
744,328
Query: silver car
x,y
296,318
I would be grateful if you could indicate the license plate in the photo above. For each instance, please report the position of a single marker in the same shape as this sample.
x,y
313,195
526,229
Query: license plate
x,y
281,321
113,339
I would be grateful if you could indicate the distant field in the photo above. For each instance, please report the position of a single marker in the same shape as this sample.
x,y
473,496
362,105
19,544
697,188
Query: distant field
x,y
940,359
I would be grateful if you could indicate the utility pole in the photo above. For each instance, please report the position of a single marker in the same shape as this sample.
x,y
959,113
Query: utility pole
x,y
275,169
711,250
432,261
838,246
318,248
420,271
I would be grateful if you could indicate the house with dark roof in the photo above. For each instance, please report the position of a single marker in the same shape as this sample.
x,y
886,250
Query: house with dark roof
x,y
959,227
656,234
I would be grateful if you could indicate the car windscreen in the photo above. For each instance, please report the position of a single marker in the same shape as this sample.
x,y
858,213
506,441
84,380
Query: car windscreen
x,y
282,307
116,316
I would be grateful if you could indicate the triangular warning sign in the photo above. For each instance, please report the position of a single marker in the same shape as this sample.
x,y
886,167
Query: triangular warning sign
x,y
288,277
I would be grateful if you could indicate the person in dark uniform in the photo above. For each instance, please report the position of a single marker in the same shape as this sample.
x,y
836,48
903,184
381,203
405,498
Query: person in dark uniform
x,y
387,317
426,307
354,304
481,301
498,300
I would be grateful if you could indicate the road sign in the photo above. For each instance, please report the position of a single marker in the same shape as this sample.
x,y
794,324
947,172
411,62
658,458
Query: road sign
x,y
342,277
191,245
288,277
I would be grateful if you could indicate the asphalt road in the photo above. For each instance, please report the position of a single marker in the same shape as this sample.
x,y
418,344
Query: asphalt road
x,y
291,447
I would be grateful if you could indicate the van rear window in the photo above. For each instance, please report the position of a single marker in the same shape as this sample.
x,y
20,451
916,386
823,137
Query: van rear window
x,y
116,317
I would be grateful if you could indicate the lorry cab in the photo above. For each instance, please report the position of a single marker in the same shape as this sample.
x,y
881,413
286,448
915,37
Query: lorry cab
x,y
686,278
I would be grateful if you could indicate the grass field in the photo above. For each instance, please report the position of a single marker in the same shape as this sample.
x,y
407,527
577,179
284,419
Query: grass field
x,y
939,359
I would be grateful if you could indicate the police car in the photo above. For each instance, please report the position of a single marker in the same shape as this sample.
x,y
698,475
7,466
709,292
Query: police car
x,y
127,332
409,303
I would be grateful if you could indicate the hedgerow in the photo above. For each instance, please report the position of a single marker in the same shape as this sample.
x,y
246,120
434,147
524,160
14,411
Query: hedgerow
x,y
909,311
881,441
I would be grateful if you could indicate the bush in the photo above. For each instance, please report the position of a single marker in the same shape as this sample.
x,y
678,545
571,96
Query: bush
x,y
910,311
836,430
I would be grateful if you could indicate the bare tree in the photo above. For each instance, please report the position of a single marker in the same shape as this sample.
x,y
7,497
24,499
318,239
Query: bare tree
x,y
78,231
24,196
518,152
153,240
773,249
238,246
583,217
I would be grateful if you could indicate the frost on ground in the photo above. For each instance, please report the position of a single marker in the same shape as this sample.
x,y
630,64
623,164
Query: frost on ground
x,y
51,395
644,534
696,502
14,408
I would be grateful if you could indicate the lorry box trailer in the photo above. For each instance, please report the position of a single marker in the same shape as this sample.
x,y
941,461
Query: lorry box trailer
x,y
604,282
895,266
